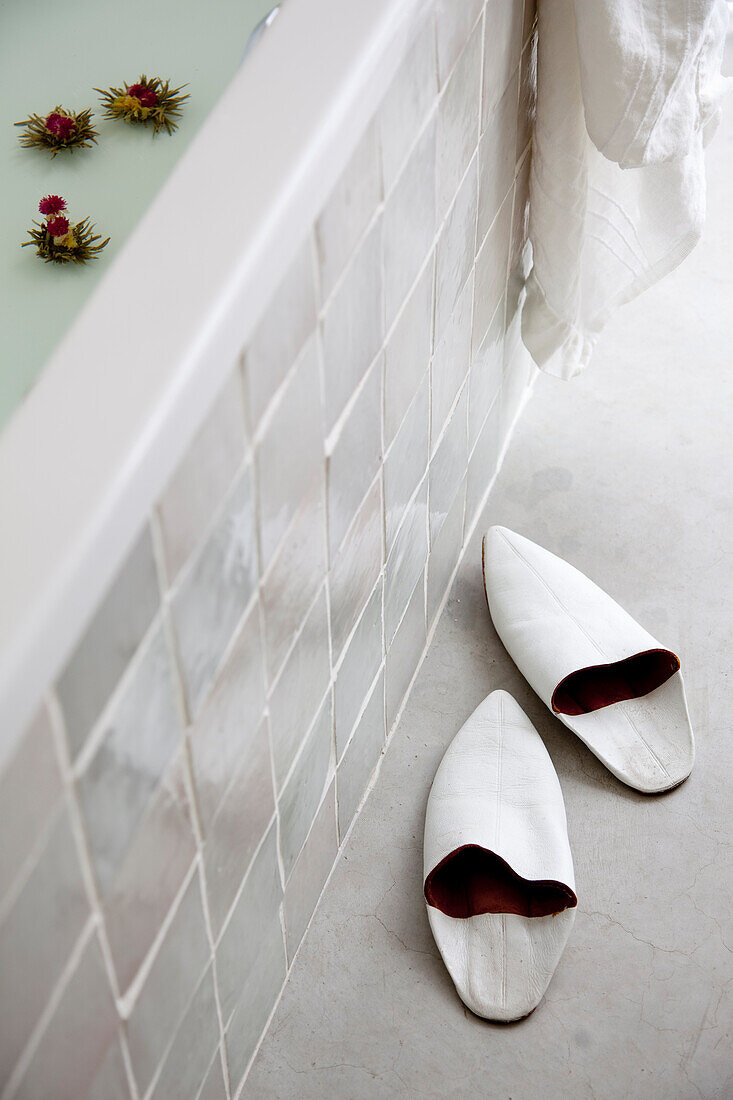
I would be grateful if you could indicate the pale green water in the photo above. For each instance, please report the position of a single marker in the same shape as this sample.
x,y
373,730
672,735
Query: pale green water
x,y
57,51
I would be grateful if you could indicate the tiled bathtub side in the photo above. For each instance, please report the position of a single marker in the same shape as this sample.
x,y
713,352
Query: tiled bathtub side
x,y
171,815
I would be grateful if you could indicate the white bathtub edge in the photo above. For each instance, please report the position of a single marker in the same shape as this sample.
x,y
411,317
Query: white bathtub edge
x,y
72,503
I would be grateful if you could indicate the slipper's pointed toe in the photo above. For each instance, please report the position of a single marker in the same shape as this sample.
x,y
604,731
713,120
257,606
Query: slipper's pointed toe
x,y
499,879
598,670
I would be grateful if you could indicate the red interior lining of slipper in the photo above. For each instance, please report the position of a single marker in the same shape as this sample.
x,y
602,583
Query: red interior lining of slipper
x,y
598,686
472,880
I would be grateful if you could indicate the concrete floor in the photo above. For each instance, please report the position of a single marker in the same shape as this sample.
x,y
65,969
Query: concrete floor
x,y
627,473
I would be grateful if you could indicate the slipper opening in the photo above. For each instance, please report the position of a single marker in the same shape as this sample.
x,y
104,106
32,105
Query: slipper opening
x,y
599,686
472,880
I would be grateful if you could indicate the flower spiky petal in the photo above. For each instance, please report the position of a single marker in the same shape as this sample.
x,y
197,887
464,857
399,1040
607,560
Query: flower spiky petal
x,y
58,242
149,101
58,130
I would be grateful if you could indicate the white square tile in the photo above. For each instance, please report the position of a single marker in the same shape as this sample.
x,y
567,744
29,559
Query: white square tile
x,y
496,158
409,223
288,320
85,1022
251,961
150,874
253,936
164,998
407,102
36,939
458,121
353,325
455,250
482,464
239,825
406,561
109,642
349,209
301,796
213,591
295,575
361,757
491,272
451,360
30,793
359,665
518,372
197,488
221,734
213,1086
454,22
448,465
355,457
141,735
487,370
252,953
298,692
310,872
110,1082
355,568
407,352
290,454
406,462
444,553
187,1062
405,652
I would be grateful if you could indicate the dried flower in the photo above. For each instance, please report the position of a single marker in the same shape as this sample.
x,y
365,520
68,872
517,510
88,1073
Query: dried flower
x,y
147,96
52,204
58,130
60,125
147,101
59,242
58,227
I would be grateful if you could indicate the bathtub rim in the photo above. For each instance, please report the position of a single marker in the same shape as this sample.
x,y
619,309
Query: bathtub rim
x,y
69,523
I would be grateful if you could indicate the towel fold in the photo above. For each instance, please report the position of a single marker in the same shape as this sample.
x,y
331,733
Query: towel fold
x,y
628,94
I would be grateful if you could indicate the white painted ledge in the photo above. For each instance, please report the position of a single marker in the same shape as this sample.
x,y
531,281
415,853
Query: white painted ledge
x,y
88,453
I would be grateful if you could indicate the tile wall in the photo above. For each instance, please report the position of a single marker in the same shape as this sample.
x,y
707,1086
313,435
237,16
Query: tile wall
x,y
173,811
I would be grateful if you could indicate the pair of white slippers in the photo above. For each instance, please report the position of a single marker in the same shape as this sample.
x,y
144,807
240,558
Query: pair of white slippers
x,y
499,882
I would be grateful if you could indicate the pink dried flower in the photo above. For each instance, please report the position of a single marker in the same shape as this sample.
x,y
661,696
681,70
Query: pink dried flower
x,y
147,96
59,125
52,204
58,227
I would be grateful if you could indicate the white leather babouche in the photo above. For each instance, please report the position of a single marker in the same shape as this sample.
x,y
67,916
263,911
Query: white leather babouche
x,y
604,676
495,850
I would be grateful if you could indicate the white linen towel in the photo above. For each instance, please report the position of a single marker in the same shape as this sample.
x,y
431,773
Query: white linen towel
x,y
628,93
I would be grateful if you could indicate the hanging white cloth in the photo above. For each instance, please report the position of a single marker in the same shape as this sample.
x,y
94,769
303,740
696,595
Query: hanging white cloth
x,y
628,94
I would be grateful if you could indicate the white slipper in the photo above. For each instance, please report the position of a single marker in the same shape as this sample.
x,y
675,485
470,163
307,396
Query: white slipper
x,y
499,881
601,673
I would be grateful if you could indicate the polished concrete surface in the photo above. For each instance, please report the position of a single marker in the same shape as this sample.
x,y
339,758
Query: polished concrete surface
x,y
627,473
